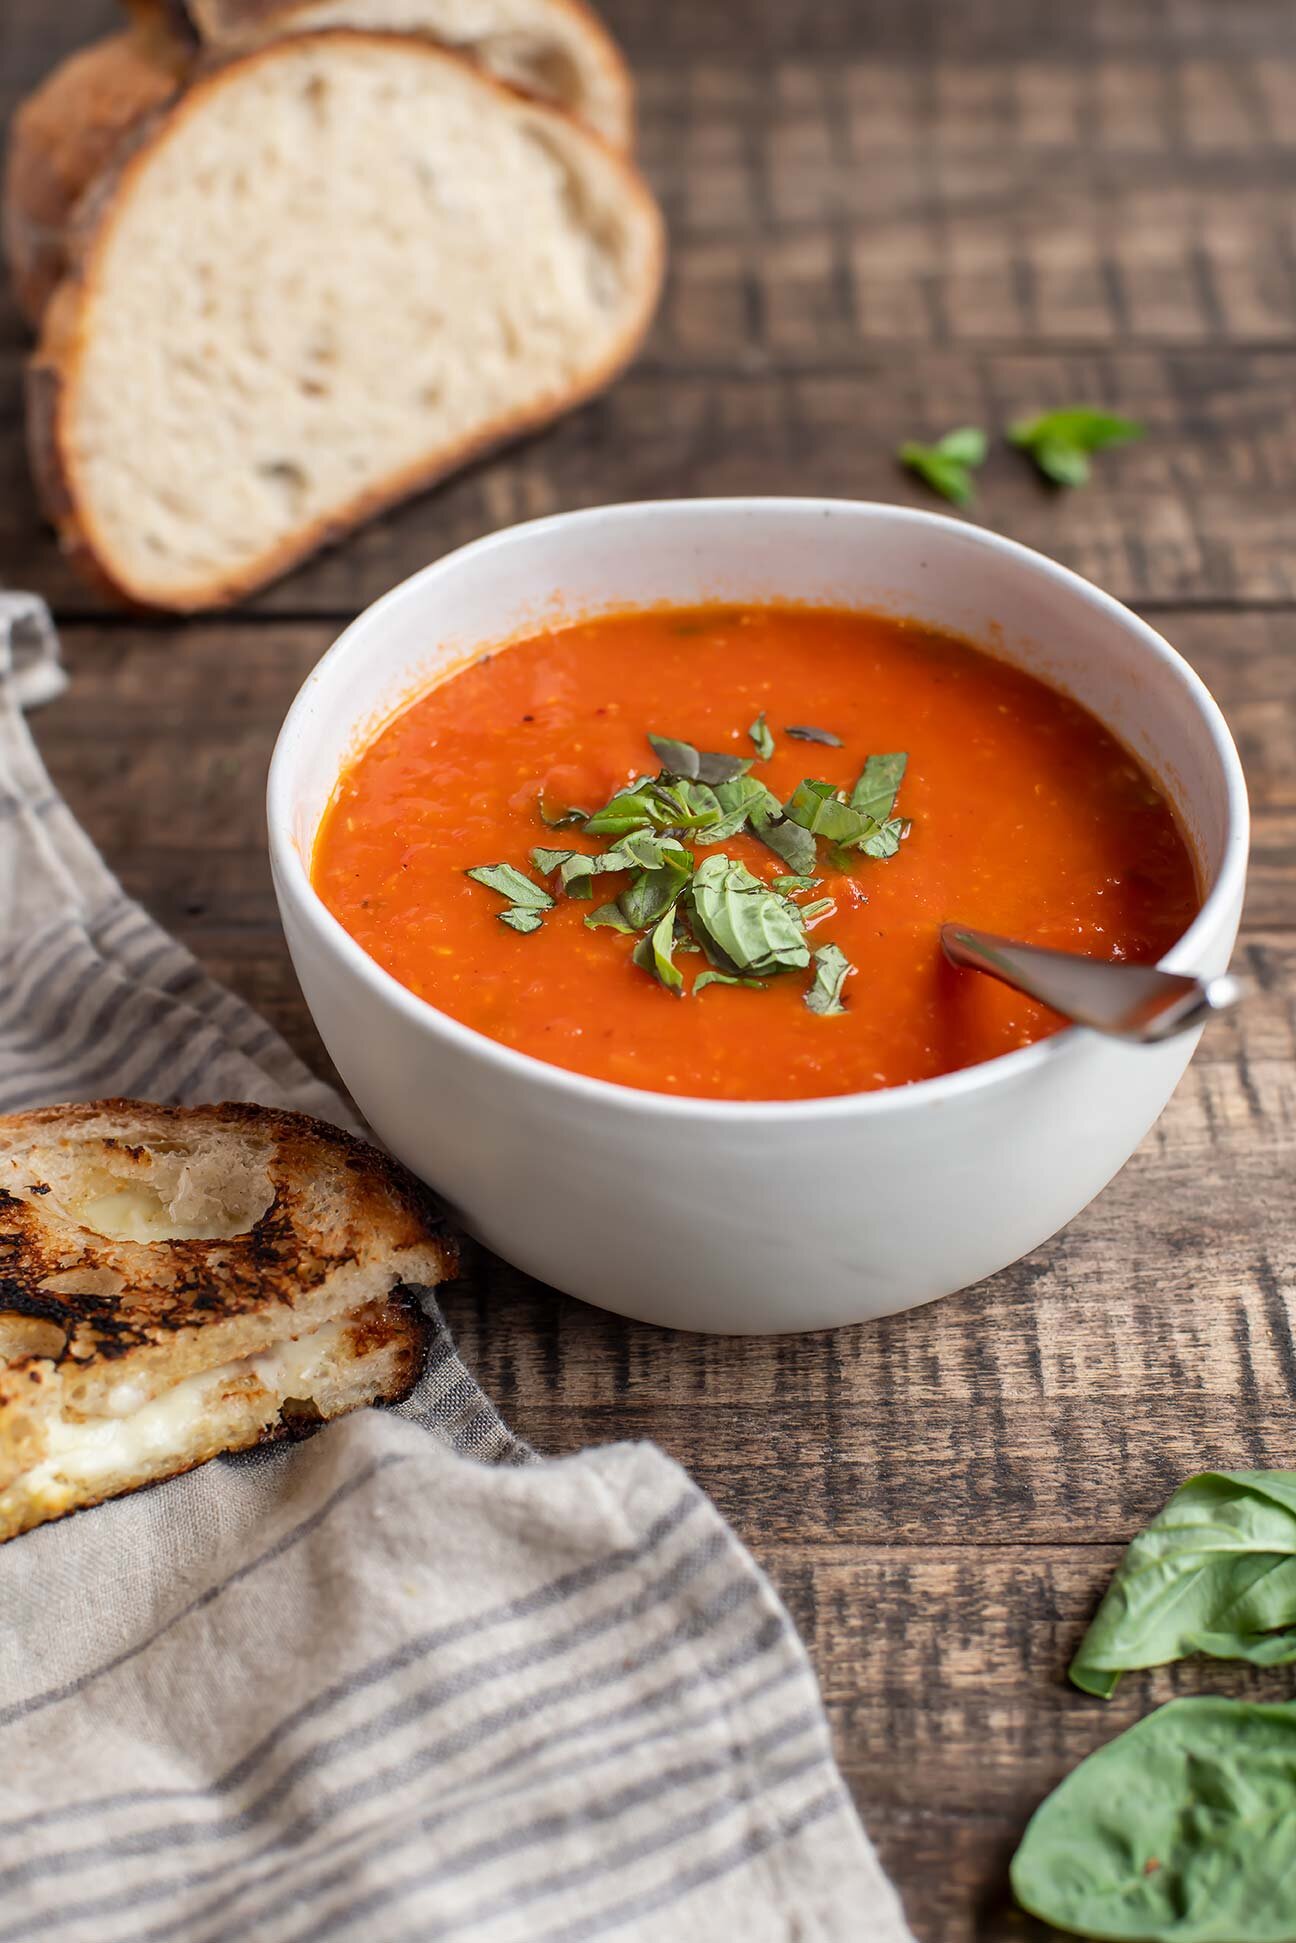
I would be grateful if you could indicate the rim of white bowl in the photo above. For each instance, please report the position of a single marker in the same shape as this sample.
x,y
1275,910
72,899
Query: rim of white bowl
x,y
292,871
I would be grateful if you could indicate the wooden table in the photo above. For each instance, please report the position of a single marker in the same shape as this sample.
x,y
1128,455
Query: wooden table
x,y
886,220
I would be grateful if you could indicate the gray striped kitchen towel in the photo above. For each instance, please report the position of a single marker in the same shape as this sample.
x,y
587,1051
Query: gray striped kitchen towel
x,y
405,1680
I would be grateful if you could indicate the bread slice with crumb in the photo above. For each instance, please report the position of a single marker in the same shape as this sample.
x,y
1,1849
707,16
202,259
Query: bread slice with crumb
x,y
335,269
177,1282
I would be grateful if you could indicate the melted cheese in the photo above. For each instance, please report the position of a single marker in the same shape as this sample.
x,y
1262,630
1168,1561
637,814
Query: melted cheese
x,y
88,1450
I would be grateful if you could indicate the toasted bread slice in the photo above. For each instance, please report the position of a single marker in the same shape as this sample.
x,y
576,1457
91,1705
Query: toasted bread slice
x,y
336,269
176,1282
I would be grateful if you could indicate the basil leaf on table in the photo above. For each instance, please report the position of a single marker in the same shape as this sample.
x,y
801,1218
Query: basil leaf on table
x,y
808,733
1214,1573
697,765
653,953
750,926
875,793
1183,1828
947,466
761,737
513,884
1060,442
832,967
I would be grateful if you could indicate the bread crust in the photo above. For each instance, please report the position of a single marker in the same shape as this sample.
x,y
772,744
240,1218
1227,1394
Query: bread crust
x,y
53,371
63,136
237,24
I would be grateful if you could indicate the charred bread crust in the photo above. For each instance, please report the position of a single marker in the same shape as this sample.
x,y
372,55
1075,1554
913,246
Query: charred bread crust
x,y
274,1266
58,352
62,139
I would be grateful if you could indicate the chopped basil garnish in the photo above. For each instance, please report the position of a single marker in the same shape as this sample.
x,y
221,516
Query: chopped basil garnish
x,y
653,954
706,978
875,793
764,741
547,861
681,759
787,840
832,967
818,808
654,892
811,734
518,919
790,885
613,917
513,884
559,819
820,908
749,926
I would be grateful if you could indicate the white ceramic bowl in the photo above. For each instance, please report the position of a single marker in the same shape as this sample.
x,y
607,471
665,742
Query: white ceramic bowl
x,y
708,1214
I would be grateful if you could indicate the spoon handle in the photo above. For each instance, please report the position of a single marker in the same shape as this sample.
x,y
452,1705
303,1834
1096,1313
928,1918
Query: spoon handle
x,y
1134,1002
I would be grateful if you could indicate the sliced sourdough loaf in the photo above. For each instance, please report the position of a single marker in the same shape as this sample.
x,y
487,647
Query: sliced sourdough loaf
x,y
179,1282
557,50
333,270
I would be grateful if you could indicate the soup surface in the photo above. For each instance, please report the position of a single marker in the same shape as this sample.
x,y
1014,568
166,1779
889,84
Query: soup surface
x,y
1023,816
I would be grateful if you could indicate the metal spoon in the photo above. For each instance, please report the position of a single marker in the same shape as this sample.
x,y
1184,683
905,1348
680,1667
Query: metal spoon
x,y
1135,1002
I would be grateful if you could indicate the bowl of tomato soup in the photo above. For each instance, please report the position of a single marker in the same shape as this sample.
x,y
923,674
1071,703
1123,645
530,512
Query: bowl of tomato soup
x,y
612,853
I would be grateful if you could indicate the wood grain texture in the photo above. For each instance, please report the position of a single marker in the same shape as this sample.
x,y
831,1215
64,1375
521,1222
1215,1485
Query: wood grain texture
x,y
886,220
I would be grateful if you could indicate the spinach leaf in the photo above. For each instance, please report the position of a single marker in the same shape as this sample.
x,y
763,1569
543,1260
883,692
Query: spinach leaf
x,y
751,927
681,759
518,919
653,954
832,968
1214,1572
513,884
1060,442
811,734
1182,1828
948,465
875,793
764,741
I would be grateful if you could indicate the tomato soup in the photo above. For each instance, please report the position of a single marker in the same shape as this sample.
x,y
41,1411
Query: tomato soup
x,y
1017,812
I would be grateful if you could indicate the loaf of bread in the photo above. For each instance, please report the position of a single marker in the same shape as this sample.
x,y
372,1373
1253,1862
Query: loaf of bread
x,y
320,274
180,1282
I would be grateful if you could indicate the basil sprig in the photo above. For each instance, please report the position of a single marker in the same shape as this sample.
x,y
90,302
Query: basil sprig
x,y
1214,1573
1182,1828
1060,442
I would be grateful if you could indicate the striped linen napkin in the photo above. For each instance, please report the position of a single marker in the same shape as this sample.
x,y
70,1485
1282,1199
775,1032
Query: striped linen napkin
x,y
406,1680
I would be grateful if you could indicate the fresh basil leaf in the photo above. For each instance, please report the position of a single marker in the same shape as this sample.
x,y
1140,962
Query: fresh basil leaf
x,y
547,861
1214,1573
681,759
788,886
519,919
654,892
653,954
764,741
751,927
886,838
789,842
706,978
627,811
737,800
811,734
577,874
832,968
641,850
699,804
948,465
513,884
613,917
818,808
819,908
875,793
1182,1828
1059,442
559,819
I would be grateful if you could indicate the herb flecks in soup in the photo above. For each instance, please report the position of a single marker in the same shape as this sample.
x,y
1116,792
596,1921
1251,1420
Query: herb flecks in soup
x,y
531,770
